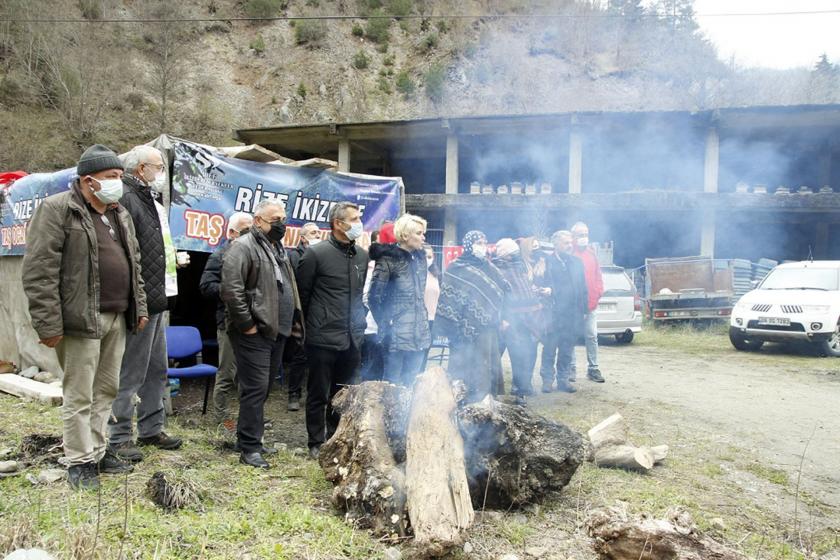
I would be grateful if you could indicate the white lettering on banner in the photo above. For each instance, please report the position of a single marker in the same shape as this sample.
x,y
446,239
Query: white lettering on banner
x,y
23,209
247,198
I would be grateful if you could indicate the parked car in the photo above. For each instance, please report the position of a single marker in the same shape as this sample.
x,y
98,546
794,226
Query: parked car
x,y
796,301
619,312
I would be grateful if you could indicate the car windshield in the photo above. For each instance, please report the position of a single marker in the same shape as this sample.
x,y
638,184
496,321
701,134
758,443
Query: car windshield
x,y
616,281
802,279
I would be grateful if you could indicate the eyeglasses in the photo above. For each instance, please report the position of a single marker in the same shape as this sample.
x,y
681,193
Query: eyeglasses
x,y
105,221
158,166
275,221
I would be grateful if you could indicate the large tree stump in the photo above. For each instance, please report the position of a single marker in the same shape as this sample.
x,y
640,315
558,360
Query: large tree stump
x,y
611,447
617,536
514,456
359,461
438,493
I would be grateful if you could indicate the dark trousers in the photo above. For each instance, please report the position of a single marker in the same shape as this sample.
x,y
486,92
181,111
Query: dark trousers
x,y
296,368
257,360
401,366
478,364
329,370
373,359
521,346
558,350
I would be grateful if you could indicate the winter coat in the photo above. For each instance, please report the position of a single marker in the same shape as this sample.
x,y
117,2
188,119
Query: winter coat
x,y
471,296
331,278
397,300
211,283
567,303
249,288
137,199
521,304
61,268
594,278
295,253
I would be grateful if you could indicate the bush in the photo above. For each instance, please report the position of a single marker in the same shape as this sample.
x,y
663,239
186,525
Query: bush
x,y
91,9
383,85
310,32
389,60
258,44
399,8
358,30
435,78
368,6
301,91
378,29
404,83
262,8
442,26
360,60
429,42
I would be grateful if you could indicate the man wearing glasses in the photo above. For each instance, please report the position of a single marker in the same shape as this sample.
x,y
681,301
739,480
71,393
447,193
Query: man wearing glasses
x,y
143,371
263,311
81,275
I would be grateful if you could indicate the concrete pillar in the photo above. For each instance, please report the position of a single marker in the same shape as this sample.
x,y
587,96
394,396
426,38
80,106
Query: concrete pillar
x,y
344,155
711,163
450,221
575,161
821,245
824,169
707,234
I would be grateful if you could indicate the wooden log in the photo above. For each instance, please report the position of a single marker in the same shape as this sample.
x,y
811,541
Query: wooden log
x,y
611,447
439,505
358,460
617,536
31,389
514,456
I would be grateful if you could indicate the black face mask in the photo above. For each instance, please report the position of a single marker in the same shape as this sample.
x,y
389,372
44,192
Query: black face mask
x,y
277,232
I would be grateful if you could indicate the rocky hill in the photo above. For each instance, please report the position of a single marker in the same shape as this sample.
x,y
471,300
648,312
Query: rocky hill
x,y
201,68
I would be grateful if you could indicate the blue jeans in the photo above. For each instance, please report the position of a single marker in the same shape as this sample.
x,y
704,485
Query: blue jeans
x,y
590,337
557,356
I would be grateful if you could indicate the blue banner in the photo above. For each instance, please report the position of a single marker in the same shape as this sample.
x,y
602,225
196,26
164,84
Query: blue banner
x,y
20,202
208,187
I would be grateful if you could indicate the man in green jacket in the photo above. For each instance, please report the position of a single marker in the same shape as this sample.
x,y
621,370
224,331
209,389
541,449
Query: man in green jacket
x,y
81,275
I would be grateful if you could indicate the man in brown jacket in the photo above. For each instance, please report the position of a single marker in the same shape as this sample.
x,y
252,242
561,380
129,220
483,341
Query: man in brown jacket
x,y
81,275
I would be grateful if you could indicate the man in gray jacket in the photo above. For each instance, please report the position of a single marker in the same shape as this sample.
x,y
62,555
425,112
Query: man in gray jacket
x,y
262,312
81,275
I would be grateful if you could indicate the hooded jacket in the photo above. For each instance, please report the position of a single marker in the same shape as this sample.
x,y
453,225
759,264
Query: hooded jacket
x,y
61,268
396,297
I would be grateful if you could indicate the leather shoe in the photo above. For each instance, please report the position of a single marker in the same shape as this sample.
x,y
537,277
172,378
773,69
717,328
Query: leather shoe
x,y
253,459
565,386
595,375
315,452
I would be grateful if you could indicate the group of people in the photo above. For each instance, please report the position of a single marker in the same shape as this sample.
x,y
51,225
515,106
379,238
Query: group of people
x,y
326,312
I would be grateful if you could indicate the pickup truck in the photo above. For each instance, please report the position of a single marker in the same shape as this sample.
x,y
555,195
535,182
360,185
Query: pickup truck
x,y
687,288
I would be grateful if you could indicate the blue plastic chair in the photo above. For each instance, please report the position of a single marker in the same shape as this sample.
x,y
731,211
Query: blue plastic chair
x,y
185,342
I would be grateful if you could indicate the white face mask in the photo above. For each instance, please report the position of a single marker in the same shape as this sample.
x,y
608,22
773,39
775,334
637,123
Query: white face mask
x,y
111,190
480,251
583,241
313,242
355,231
159,184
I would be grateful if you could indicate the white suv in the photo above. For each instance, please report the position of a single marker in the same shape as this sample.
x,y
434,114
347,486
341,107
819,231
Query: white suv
x,y
796,301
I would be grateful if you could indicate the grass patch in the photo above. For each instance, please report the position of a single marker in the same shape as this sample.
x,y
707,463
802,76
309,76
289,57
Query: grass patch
x,y
770,474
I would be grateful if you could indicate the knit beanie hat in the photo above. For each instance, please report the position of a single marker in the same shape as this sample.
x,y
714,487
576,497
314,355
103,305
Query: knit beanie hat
x,y
97,158
506,246
386,234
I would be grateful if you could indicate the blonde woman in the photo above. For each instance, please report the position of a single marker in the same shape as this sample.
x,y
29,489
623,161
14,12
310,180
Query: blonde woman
x,y
396,299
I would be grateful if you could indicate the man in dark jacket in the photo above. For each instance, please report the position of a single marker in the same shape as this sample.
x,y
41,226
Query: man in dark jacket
x,y
564,284
310,235
263,311
143,371
331,276
396,298
81,275
210,285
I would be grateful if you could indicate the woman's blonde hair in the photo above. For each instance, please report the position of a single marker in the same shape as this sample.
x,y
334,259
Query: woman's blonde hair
x,y
408,224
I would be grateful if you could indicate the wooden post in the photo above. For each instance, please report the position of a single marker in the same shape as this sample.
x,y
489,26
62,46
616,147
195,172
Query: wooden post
x,y
450,224
575,159
344,155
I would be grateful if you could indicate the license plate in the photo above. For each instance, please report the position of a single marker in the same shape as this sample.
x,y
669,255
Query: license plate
x,y
780,321
606,307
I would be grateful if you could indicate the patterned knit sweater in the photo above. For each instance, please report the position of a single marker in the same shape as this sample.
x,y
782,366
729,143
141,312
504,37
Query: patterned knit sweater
x,y
471,296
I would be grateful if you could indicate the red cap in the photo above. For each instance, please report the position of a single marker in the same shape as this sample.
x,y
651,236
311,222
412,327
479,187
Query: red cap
x,y
386,234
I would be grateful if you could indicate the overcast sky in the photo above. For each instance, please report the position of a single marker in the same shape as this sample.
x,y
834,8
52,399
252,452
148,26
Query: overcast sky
x,y
772,41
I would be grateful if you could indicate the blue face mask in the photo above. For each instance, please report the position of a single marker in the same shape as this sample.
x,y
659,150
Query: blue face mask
x,y
355,231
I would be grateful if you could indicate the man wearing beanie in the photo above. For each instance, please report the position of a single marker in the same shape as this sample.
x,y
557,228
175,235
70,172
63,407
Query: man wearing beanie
x,y
143,371
81,275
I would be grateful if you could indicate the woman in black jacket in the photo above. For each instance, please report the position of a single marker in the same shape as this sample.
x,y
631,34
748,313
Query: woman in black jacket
x,y
396,299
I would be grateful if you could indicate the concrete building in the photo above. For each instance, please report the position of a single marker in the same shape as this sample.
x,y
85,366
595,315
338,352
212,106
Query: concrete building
x,y
657,183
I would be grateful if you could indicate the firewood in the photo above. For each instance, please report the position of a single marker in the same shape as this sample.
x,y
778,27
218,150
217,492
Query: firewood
x,y
611,447
618,536
439,503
